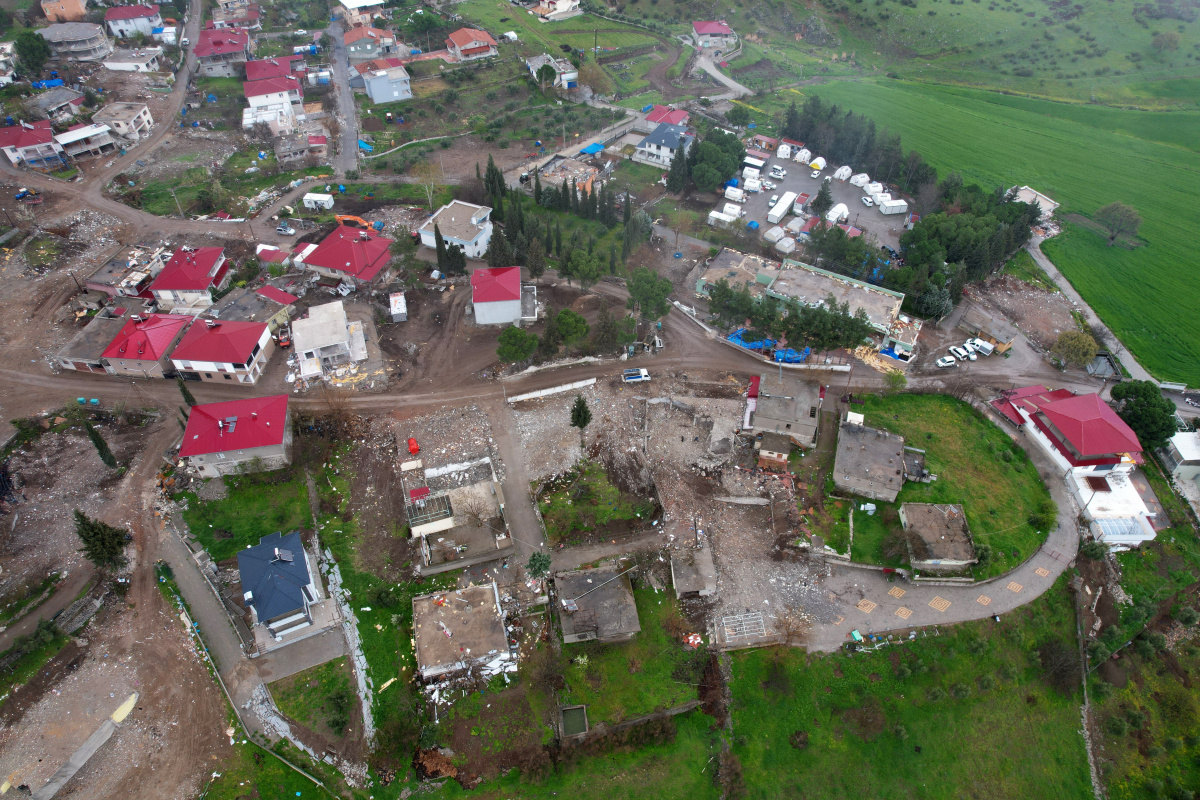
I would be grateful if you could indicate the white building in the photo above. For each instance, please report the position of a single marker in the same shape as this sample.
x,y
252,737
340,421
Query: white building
x,y
463,224
131,120
659,147
148,59
496,295
566,76
326,340
125,21
1181,456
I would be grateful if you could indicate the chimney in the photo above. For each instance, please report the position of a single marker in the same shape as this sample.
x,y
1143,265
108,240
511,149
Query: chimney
x,y
253,415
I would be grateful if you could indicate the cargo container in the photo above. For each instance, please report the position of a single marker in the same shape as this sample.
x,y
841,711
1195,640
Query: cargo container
x,y
893,207
782,208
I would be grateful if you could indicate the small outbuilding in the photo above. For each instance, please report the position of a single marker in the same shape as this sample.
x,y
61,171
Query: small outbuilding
x,y
597,604
315,200
773,451
937,537
693,573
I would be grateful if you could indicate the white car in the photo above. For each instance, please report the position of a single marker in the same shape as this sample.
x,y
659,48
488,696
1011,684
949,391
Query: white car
x,y
302,32
816,173
958,353
969,349
778,173
774,200
946,362
868,202
769,186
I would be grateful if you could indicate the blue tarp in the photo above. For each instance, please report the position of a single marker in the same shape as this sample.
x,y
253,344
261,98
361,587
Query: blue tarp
x,y
752,225
732,182
752,125
47,84
364,146
647,108
786,355
592,149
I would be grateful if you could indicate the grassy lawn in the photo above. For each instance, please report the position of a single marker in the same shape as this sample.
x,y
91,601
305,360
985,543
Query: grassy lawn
x,y
255,507
1159,569
20,601
320,697
252,773
964,714
651,672
1065,151
35,651
582,502
1149,736
977,465
1024,268
42,251
576,32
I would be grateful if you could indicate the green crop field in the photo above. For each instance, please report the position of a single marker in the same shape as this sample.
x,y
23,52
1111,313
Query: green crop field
x,y
498,17
1084,158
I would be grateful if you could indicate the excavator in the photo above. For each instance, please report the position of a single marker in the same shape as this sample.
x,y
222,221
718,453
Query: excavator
x,y
352,221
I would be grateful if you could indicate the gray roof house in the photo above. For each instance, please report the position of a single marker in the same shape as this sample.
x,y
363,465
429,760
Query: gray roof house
x,y
58,104
388,85
597,604
277,583
659,147
789,407
869,462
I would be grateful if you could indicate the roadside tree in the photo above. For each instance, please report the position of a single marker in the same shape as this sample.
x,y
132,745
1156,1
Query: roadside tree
x,y
1143,407
1075,348
581,417
516,345
103,544
648,293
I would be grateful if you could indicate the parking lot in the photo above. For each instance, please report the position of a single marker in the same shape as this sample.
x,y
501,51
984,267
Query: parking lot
x,y
886,230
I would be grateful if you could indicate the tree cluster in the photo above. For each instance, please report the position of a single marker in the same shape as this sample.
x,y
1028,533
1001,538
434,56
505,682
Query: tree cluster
x,y
714,160
825,327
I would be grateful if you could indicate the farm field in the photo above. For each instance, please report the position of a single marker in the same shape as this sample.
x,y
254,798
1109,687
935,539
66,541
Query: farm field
x,y
576,32
1066,153
969,713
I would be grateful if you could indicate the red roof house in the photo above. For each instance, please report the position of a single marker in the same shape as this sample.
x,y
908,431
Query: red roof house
x,y
221,437
496,295
350,253
30,142
712,28
665,114
277,67
276,295
143,345
1082,429
130,12
222,42
215,350
190,277
285,84
469,43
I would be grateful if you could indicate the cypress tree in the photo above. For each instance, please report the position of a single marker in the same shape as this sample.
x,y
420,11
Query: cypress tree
x,y
557,239
187,395
101,446
103,544
537,187
440,246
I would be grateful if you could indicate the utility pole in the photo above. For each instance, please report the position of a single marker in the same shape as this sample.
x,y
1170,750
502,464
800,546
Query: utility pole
x,y
178,207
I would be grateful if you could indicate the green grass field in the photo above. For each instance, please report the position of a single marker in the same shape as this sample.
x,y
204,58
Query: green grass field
x,y
587,502
252,510
964,714
319,697
968,454
1084,159
577,32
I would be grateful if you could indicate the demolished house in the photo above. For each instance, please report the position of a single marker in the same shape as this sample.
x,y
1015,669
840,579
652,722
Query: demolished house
x,y
937,537
597,604
458,630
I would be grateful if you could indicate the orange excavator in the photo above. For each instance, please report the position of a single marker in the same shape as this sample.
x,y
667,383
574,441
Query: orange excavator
x,y
352,221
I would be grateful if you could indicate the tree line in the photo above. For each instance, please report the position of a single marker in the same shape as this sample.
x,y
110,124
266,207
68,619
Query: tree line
x,y
828,326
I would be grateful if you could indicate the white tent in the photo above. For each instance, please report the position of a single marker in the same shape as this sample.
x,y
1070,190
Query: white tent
x,y
719,220
774,235
880,197
843,173
802,156
818,163
873,188
861,179
795,224
732,210
838,213
786,245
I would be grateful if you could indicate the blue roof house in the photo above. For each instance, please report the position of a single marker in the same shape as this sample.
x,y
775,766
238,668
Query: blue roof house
x,y
277,584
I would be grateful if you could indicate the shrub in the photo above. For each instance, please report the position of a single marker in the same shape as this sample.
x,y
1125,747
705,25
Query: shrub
x,y
1060,665
1135,718
1172,744
1187,616
960,691
1117,726
1094,550
936,693
987,683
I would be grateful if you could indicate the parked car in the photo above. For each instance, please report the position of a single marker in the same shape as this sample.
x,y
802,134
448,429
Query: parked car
x,y
302,32
958,353
285,230
816,173
774,200
184,42
946,361
769,186
868,202
969,349
634,376
778,173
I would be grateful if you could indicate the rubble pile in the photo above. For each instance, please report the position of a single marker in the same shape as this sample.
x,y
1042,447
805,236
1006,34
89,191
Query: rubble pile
x,y
450,436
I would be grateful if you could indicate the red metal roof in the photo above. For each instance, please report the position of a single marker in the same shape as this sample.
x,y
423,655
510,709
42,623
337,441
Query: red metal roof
x,y
378,64
762,155
277,295
360,32
671,116
191,269
791,142
284,83
495,284
235,425
317,140
1091,427
469,38
221,42
712,27
229,342
752,392
277,67
24,135
354,251
148,338
130,12
272,255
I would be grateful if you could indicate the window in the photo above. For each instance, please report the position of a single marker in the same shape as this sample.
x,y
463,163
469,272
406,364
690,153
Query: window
x,y
812,411
228,377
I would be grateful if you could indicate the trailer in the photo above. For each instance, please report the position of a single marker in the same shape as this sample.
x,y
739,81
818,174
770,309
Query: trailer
x,y
735,194
838,213
751,173
733,210
719,220
753,185
315,200
754,163
801,202
893,207
782,208
873,188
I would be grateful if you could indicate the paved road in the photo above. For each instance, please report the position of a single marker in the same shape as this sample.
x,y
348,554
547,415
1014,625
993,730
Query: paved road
x,y
736,89
1127,359
347,156
889,606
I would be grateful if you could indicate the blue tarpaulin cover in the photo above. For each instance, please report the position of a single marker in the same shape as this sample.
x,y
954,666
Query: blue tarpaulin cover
x,y
592,149
784,355
752,225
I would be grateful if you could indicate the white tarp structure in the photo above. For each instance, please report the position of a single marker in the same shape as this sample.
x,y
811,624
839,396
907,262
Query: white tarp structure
x,y
314,200
842,174
873,188
861,179
803,156
754,185
774,234
784,151
794,225
786,245
735,194
818,163
719,220
838,213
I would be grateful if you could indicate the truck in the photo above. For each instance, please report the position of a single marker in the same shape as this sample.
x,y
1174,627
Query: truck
x,y
634,376
893,207
801,201
782,208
